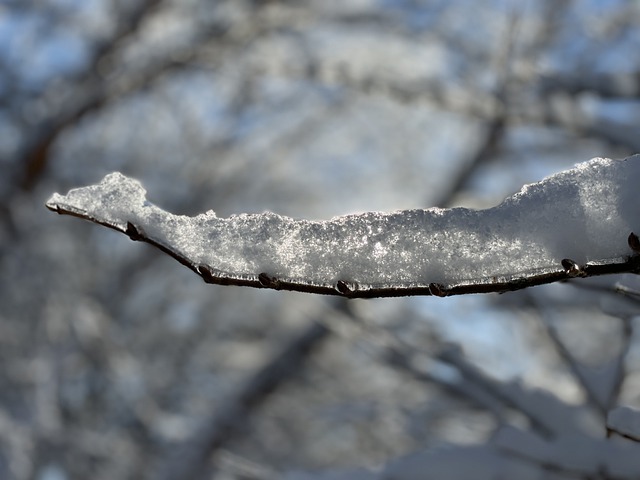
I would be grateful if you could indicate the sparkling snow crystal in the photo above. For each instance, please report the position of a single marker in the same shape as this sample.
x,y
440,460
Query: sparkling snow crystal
x,y
581,215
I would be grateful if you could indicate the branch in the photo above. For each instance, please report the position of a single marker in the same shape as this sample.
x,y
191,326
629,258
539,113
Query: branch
x,y
601,384
91,93
191,459
573,224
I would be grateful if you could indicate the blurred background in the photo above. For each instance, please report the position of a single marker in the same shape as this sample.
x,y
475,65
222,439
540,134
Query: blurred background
x,y
119,363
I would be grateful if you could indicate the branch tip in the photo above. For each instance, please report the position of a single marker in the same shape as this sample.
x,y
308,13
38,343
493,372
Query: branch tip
x,y
54,207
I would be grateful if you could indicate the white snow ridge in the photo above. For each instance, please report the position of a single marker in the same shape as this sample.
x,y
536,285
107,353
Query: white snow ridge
x,y
559,227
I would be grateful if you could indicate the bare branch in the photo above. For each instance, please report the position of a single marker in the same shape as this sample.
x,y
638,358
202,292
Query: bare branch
x,y
190,460
91,95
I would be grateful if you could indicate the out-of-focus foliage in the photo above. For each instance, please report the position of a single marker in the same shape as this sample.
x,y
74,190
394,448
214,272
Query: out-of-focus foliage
x,y
113,357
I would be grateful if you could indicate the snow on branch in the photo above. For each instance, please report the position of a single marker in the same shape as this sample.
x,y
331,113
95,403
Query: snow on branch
x,y
624,421
576,223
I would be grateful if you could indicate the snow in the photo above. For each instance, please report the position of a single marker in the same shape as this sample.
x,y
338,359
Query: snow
x,y
584,214
478,462
625,421
581,455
